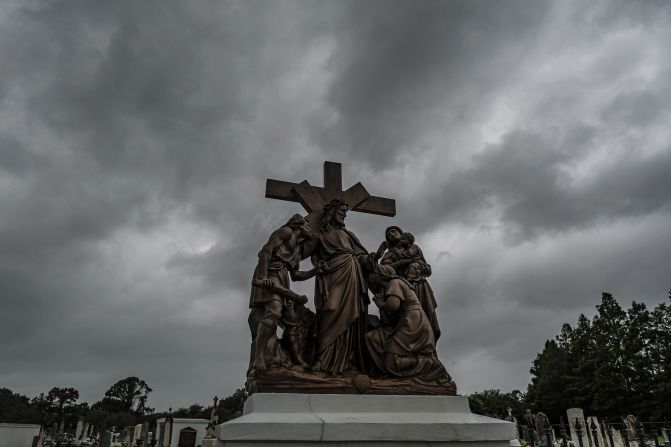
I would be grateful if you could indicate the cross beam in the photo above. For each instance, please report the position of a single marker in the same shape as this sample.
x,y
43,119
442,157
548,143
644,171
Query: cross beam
x,y
313,198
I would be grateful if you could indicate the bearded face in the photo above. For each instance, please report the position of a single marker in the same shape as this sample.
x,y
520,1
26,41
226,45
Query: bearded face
x,y
340,214
304,228
334,215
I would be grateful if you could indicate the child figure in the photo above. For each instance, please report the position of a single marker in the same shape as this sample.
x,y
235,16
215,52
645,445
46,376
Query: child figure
x,y
297,321
416,266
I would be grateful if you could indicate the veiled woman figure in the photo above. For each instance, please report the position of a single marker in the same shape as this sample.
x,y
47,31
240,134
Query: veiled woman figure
x,y
404,346
394,257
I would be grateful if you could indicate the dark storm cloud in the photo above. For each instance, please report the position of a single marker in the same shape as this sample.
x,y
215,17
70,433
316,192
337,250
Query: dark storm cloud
x,y
527,292
402,68
637,108
135,138
119,118
528,178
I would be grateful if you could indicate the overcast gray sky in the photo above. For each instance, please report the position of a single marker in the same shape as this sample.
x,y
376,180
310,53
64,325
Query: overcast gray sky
x,y
527,145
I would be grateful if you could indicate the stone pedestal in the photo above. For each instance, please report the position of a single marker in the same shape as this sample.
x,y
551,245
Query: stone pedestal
x,y
310,420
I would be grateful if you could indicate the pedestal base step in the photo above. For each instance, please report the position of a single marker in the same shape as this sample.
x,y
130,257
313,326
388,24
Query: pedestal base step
x,y
336,420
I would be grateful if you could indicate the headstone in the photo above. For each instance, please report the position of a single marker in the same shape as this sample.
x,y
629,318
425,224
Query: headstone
x,y
618,441
127,435
665,434
167,429
572,414
137,433
529,427
187,437
85,431
542,423
160,430
513,419
80,429
107,439
630,423
144,435
597,432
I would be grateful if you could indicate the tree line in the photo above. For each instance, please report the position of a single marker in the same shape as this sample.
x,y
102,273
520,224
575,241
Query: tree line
x,y
615,364
124,404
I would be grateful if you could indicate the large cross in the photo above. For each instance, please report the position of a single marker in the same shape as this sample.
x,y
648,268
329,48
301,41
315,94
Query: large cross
x,y
313,198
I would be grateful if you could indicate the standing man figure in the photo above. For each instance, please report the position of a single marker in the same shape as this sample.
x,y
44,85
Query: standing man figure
x,y
271,298
341,296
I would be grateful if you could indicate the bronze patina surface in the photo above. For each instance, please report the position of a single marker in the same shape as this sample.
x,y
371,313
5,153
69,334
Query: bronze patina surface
x,y
338,347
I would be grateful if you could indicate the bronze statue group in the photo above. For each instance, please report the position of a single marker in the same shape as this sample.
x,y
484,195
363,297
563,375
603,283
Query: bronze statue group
x,y
340,338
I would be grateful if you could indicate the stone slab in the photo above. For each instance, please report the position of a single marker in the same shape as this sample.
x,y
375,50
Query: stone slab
x,y
379,420
572,414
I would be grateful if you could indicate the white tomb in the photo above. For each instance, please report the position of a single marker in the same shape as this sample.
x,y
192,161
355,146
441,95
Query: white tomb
x,y
170,435
339,420
18,435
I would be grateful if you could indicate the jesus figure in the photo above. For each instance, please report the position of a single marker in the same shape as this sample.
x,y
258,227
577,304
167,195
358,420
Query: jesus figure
x,y
341,297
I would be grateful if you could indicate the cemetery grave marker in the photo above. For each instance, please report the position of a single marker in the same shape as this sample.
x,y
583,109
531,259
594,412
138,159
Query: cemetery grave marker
x,y
187,437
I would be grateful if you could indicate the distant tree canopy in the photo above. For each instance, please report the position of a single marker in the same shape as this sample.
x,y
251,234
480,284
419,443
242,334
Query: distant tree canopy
x,y
128,395
615,364
618,363
17,408
228,408
124,404
495,404
231,407
62,401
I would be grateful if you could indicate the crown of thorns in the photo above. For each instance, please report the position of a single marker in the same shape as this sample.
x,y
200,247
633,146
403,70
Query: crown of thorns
x,y
335,203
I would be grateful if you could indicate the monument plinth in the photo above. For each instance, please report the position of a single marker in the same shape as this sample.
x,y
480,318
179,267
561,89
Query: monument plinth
x,y
338,374
308,420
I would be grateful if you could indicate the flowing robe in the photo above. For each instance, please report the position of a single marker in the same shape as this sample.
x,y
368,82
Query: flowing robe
x,y
341,302
408,348
429,305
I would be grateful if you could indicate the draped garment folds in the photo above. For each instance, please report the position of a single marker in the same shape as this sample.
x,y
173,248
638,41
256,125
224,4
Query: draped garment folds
x,y
428,301
341,301
422,288
408,349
